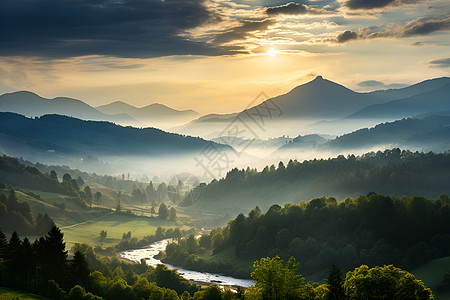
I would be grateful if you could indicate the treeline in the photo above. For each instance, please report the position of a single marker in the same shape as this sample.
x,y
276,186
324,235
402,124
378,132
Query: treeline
x,y
161,233
17,174
18,216
141,192
372,229
389,172
278,281
44,267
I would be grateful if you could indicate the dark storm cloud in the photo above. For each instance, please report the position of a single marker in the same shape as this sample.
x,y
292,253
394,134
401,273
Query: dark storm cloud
x,y
243,31
293,9
127,28
372,4
441,63
417,27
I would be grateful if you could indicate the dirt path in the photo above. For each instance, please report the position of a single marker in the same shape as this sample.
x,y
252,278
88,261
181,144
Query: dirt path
x,y
86,222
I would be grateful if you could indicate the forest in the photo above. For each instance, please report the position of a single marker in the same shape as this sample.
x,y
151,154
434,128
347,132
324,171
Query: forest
x,y
325,248
322,232
44,267
393,171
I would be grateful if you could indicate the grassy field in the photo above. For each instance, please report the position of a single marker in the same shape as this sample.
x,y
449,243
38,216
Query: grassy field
x,y
71,215
433,273
115,226
9,294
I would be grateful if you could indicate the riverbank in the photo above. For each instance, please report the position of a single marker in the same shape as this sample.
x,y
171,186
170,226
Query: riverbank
x,y
148,253
223,263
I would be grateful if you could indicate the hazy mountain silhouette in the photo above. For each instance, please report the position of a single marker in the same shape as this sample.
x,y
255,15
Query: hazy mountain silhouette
x,y
415,89
319,99
151,113
322,99
70,136
430,133
432,101
33,105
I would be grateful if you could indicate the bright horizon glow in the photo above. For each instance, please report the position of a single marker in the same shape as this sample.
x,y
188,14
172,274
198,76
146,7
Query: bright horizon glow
x,y
219,64
272,52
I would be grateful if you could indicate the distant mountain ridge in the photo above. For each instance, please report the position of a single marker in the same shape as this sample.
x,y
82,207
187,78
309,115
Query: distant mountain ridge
x,y
155,111
33,105
436,100
324,100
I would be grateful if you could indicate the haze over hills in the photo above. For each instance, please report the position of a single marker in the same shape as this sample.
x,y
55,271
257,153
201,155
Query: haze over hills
x,y
415,89
33,105
431,101
155,114
56,138
431,133
324,101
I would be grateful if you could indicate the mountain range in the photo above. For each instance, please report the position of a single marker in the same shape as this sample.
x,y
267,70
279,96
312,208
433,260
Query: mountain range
x,y
431,133
33,105
319,106
151,114
322,105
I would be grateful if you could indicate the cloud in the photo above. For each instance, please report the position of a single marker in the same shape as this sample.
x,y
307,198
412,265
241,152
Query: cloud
x,y
293,9
346,36
417,27
127,28
441,63
374,4
371,83
242,31
375,84
423,26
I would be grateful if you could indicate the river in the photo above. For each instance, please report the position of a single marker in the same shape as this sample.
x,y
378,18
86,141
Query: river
x,y
148,253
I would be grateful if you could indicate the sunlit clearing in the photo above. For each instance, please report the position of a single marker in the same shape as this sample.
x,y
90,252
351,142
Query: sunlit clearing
x,y
272,52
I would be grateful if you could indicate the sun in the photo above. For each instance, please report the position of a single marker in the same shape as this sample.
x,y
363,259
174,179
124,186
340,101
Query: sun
x,y
272,52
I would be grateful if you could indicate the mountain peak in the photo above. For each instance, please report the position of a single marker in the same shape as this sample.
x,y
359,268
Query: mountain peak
x,y
319,77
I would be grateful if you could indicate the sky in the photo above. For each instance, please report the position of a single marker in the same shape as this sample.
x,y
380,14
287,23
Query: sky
x,y
216,55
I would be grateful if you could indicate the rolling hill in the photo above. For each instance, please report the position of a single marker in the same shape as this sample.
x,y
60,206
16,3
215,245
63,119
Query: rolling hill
x,y
70,135
430,133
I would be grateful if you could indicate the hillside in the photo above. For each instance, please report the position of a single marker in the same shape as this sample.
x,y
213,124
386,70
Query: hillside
x,y
322,232
430,133
61,135
389,172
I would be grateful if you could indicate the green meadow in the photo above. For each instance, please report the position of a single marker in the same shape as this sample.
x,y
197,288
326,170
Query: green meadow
x,y
115,225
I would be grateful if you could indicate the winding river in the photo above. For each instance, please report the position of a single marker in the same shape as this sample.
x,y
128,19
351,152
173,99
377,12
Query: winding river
x,y
148,253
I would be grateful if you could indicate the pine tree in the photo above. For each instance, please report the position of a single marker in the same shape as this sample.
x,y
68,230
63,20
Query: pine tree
x,y
55,255
13,259
3,249
79,269
335,284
